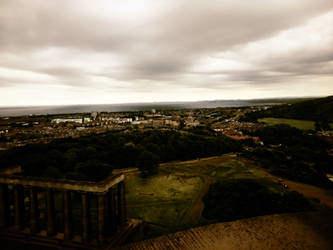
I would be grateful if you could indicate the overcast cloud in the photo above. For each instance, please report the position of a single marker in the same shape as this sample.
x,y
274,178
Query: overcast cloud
x,y
83,51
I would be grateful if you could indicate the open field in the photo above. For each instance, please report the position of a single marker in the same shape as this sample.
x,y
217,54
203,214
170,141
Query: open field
x,y
162,200
172,199
300,124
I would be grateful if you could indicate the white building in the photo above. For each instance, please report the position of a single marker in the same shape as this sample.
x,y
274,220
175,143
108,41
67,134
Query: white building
x,y
59,120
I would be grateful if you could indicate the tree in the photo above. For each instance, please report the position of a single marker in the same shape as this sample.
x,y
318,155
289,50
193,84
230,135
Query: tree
x,y
93,170
242,198
322,124
147,162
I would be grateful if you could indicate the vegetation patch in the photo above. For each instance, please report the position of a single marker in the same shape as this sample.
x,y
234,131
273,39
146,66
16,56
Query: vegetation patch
x,y
165,200
162,200
242,198
160,188
300,124
94,157
319,109
290,153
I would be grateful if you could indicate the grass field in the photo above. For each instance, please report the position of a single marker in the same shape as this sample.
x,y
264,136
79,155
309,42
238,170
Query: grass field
x,y
171,200
162,200
300,124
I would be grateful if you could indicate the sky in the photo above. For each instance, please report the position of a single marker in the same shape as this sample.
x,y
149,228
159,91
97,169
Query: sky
x,y
123,51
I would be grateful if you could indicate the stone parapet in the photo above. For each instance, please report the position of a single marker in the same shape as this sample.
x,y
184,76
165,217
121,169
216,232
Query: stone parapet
x,y
43,211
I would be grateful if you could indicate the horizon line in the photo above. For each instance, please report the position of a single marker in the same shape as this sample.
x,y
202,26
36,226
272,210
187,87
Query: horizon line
x,y
162,102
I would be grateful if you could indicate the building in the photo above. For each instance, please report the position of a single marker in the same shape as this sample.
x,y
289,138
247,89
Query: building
x,y
28,215
64,120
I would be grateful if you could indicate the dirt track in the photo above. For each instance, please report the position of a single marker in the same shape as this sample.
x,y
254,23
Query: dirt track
x,y
325,196
310,230
198,205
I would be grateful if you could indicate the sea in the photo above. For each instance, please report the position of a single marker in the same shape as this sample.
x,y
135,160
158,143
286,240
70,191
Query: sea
x,y
71,109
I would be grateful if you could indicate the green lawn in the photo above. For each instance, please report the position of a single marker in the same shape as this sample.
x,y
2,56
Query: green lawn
x,y
162,200
300,124
165,200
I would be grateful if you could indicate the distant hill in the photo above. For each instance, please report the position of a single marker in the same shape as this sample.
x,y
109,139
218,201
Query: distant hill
x,y
315,109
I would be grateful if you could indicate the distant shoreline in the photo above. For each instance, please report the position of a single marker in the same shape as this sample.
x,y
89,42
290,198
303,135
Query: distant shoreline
x,y
86,108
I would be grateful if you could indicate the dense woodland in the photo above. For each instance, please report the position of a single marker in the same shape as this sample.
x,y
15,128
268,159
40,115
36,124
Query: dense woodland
x,y
287,151
242,198
291,153
315,110
94,157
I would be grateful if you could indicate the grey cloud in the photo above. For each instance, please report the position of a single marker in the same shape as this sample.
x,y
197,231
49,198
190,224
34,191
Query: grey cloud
x,y
188,33
61,72
161,47
27,26
317,61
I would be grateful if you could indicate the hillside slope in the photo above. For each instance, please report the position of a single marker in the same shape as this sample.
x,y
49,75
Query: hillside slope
x,y
315,109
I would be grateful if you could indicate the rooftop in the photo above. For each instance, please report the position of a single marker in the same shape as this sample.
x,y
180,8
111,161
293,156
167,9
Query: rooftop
x,y
308,230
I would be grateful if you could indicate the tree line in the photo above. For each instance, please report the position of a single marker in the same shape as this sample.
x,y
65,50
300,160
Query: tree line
x,y
291,153
319,110
94,157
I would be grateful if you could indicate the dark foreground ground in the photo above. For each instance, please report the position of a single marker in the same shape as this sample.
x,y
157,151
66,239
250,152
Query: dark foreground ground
x,y
308,230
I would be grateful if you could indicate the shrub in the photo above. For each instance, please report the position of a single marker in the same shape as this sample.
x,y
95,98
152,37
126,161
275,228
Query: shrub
x,y
243,198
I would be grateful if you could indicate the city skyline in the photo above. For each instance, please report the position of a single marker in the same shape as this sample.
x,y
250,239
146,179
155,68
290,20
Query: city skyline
x,y
84,52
